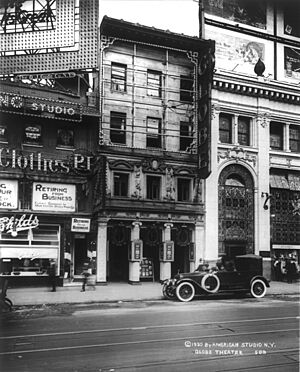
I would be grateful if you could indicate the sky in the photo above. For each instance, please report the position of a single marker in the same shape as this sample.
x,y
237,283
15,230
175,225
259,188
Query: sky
x,y
179,16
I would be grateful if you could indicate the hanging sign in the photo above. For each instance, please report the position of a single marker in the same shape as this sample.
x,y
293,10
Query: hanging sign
x,y
8,194
35,106
81,225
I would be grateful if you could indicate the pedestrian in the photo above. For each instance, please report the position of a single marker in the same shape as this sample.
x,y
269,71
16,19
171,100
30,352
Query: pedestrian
x,y
52,275
277,269
289,269
85,274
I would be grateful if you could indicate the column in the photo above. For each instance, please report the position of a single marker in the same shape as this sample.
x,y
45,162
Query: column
x,y
165,267
101,251
286,138
235,127
200,251
134,266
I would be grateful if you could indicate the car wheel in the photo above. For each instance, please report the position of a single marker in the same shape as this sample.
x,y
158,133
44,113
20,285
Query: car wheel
x,y
169,291
185,292
210,283
258,288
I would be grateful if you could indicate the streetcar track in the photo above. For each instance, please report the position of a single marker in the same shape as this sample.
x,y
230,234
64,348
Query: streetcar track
x,y
218,323
144,342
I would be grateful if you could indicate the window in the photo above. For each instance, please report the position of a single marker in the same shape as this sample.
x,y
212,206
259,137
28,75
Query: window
x,y
153,132
291,18
154,83
65,137
225,130
276,136
183,189
120,184
118,77
294,138
186,88
243,131
3,132
153,187
33,134
186,135
118,127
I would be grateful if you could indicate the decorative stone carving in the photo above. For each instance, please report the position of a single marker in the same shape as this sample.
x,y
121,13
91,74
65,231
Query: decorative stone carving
x,y
170,189
137,182
263,119
237,153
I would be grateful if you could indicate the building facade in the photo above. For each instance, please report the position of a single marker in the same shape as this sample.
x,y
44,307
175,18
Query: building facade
x,y
151,223
252,196
48,138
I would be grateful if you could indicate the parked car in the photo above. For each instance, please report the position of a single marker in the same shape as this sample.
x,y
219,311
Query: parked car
x,y
243,274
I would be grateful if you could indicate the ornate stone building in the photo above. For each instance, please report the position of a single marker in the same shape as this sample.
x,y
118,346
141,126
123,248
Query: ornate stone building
x,y
252,197
152,219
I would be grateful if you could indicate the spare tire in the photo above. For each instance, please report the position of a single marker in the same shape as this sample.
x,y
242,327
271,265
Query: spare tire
x,y
210,283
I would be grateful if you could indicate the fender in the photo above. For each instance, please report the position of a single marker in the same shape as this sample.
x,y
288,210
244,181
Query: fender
x,y
195,284
266,281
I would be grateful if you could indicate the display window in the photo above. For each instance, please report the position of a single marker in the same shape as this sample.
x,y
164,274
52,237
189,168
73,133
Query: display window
x,y
28,252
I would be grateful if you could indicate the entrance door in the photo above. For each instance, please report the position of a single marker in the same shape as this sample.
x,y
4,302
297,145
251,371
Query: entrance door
x,y
80,254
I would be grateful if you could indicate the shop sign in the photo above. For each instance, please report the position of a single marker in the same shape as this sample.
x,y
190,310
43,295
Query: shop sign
x,y
12,225
52,109
81,225
54,197
8,194
37,161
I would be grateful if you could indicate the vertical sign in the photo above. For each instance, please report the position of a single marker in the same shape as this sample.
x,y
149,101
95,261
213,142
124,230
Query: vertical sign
x,y
205,74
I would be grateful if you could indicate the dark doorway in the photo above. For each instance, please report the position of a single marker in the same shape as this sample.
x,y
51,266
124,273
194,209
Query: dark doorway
x,y
80,254
118,263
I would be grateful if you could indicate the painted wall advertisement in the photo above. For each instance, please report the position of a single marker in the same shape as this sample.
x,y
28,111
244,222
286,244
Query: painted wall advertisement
x,y
8,194
292,63
54,197
235,53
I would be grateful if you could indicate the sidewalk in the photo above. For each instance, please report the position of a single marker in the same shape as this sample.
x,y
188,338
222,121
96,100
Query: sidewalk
x,y
112,292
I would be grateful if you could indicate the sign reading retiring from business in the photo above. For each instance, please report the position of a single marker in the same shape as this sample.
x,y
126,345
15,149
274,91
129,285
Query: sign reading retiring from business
x,y
34,106
54,197
8,194
81,225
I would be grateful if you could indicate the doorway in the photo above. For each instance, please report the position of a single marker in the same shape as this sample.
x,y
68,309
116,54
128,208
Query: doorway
x,y
80,253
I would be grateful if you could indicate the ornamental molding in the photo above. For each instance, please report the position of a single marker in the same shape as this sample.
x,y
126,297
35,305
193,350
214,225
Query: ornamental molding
x,y
263,119
237,154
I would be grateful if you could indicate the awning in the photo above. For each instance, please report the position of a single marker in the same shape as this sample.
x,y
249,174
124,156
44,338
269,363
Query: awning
x,y
281,182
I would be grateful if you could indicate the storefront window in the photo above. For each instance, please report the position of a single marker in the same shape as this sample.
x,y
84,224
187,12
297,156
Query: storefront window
x,y
33,134
3,133
28,252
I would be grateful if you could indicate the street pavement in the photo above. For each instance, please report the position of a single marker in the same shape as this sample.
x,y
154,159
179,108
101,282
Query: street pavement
x,y
112,292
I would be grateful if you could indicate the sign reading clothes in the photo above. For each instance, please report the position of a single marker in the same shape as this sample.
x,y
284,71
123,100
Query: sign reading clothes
x,y
54,197
8,194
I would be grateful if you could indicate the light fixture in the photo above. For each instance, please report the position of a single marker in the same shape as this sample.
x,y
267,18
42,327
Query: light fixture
x,y
268,196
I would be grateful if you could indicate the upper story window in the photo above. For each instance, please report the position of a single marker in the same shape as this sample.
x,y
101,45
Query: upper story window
x,y
153,187
225,128
291,18
244,131
3,133
118,77
183,189
154,83
153,132
118,127
295,138
276,136
33,134
120,184
65,137
186,135
186,88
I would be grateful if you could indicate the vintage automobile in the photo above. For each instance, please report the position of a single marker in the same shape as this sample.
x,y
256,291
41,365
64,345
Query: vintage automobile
x,y
243,274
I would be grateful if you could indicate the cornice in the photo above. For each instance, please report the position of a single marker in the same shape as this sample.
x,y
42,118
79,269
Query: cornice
x,y
257,87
